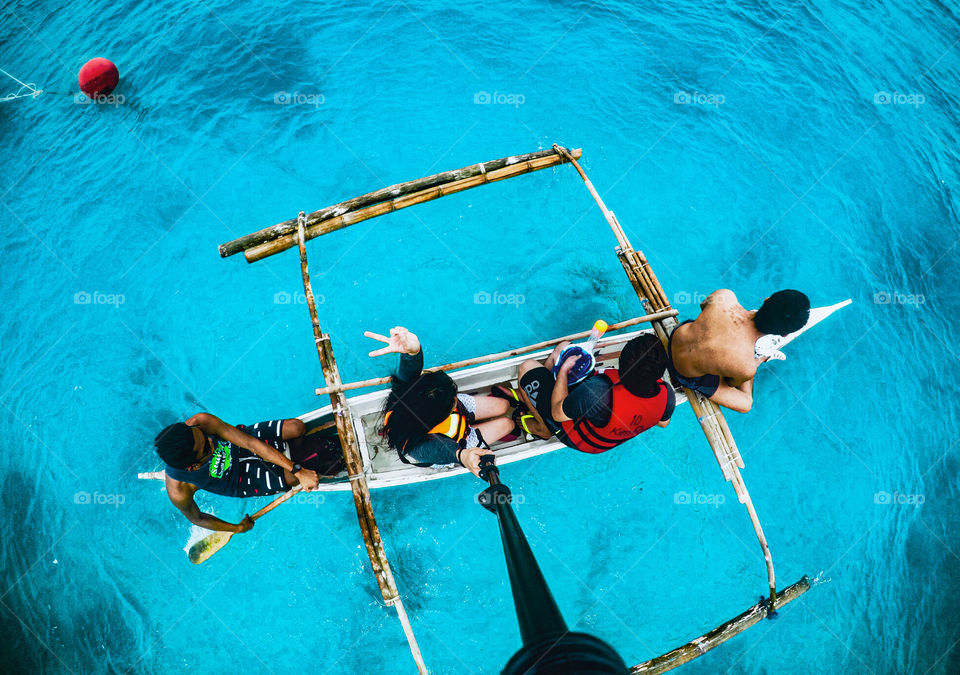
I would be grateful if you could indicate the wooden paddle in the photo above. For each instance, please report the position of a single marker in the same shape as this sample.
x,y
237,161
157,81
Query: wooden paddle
x,y
213,542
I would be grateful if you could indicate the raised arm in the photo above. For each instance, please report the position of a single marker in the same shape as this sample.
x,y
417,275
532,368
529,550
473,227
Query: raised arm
x,y
181,494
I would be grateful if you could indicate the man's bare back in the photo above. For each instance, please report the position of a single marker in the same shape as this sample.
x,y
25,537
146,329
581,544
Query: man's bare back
x,y
716,354
720,341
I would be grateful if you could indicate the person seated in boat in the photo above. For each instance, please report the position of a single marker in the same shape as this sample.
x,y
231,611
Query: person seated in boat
x,y
206,453
718,353
609,407
427,421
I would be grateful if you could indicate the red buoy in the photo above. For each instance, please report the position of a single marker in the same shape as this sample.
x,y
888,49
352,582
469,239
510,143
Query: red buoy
x,y
98,77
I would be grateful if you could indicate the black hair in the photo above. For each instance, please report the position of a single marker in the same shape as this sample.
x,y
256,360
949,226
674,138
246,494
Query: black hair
x,y
642,362
175,446
416,407
782,313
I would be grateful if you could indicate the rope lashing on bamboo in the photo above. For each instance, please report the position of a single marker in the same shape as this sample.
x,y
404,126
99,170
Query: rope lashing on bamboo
x,y
30,87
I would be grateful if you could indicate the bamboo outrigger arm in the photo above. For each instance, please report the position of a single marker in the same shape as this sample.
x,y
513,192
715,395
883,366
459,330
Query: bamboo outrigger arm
x,y
280,237
720,634
649,290
354,464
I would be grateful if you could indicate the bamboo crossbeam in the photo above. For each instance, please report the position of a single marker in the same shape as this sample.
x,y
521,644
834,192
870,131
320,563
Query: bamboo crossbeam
x,y
647,287
375,381
280,237
354,464
720,634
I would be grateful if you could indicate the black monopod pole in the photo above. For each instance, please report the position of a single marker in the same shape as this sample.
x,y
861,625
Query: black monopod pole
x,y
548,645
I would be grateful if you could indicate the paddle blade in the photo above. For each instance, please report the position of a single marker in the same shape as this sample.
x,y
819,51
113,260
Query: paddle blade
x,y
206,547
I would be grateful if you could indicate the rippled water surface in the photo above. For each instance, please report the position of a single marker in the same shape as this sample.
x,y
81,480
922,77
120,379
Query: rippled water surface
x,y
743,145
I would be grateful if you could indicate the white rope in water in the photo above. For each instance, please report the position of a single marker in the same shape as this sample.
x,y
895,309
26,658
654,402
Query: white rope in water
x,y
30,87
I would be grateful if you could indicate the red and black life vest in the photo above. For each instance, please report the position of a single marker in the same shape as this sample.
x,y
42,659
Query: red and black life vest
x,y
631,415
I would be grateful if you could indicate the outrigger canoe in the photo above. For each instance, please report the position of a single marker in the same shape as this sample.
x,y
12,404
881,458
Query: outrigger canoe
x,y
381,464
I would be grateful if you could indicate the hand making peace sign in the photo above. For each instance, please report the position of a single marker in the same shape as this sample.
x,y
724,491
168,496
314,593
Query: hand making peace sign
x,y
400,341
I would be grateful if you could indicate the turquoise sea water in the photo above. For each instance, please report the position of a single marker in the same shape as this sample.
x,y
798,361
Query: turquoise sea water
x,y
743,145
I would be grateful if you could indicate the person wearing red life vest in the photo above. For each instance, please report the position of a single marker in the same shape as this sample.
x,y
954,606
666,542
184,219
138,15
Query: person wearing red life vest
x,y
609,407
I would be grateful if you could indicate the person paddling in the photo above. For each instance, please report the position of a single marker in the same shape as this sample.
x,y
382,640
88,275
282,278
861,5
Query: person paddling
x,y
718,353
206,453
609,407
427,421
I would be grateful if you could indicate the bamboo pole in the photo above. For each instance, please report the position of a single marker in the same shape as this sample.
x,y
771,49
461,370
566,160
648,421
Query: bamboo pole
x,y
373,382
709,415
354,463
720,634
280,237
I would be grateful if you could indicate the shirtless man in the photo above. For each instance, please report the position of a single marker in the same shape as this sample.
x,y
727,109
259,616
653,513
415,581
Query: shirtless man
x,y
715,355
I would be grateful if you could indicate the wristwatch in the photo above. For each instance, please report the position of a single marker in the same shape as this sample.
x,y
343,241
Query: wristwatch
x,y
296,467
